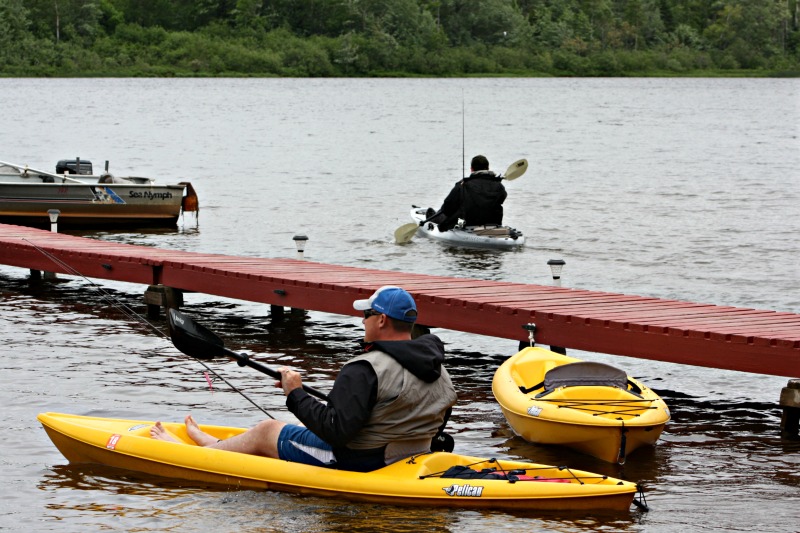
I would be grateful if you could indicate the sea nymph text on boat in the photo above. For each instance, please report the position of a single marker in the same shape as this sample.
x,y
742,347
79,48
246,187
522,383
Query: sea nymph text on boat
x,y
150,195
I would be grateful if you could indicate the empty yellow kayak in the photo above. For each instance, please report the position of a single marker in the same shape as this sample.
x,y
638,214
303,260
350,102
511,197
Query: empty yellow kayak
x,y
420,480
549,398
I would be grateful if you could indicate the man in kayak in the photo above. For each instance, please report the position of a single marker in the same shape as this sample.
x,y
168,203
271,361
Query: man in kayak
x,y
477,199
386,403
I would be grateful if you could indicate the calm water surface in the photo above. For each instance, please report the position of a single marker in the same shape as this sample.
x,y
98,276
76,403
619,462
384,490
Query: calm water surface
x,y
684,189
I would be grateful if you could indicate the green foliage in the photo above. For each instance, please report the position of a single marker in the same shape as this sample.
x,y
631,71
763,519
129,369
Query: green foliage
x,y
110,16
467,22
311,17
15,39
135,34
397,37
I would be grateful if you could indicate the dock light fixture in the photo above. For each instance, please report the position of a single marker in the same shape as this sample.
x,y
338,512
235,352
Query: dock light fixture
x,y
556,265
53,214
300,243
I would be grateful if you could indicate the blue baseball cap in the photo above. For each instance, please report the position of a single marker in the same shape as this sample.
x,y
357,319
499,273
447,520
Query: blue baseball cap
x,y
391,301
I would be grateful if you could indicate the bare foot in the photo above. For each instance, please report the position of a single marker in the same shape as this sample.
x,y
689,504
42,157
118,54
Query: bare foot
x,y
159,432
198,435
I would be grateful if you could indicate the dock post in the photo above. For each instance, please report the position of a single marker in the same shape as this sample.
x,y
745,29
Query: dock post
x,y
53,214
418,330
556,265
276,312
158,296
790,402
300,242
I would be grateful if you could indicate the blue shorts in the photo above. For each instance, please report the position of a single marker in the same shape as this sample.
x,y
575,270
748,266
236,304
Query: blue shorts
x,y
300,445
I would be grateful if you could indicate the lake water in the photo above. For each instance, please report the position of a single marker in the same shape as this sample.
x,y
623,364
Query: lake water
x,y
674,188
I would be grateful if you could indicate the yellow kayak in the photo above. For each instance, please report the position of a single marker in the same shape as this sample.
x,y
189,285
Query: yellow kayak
x,y
421,480
549,398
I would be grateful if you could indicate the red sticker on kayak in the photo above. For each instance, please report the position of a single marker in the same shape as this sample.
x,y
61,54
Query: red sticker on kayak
x,y
112,441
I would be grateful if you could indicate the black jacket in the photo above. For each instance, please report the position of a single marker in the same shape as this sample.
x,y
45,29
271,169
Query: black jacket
x,y
477,199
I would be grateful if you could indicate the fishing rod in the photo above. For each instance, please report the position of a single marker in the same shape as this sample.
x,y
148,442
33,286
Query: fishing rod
x,y
463,139
133,315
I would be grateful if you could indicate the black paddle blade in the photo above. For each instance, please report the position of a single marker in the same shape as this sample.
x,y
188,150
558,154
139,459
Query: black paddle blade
x,y
193,339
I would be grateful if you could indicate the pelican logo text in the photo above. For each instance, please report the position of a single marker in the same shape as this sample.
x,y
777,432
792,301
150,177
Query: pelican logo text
x,y
463,490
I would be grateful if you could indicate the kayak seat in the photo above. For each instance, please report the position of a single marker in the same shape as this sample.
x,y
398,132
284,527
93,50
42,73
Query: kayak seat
x,y
583,374
495,231
490,231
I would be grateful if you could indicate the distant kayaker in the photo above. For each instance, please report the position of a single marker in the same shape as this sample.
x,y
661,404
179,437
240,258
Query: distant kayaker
x,y
386,403
477,199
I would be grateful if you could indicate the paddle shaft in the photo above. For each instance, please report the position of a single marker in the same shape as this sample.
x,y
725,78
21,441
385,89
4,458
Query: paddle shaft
x,y
243,360
463,138
199,342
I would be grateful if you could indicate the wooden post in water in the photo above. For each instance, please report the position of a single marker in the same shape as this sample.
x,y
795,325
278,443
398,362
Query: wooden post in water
x,y
277,311
790,402
158,296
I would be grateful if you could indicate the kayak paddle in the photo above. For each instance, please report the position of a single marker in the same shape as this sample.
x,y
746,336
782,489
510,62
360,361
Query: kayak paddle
x,y
197,341
404,233
516,170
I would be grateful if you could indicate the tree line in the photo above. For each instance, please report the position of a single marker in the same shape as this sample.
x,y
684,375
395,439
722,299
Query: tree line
x,y
398,37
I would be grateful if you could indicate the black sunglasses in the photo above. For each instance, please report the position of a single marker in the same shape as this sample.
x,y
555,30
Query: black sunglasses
x,y
370,312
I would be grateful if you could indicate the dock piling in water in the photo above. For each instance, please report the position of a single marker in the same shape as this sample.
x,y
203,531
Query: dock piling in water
x,y
790,402
158,296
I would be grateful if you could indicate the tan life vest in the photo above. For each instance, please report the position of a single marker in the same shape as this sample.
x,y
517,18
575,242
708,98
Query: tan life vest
x,y
408,411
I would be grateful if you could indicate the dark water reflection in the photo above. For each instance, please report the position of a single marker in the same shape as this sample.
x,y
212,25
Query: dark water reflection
x,y
488,262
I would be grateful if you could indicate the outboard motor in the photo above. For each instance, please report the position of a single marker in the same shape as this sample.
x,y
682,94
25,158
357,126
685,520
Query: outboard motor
x,y
74,166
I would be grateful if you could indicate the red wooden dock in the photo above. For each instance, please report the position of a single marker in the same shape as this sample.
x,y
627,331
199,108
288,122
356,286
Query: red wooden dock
x,y
749,340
